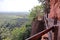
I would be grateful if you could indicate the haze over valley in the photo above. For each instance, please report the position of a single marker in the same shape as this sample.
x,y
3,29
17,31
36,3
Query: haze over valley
x,y
13,19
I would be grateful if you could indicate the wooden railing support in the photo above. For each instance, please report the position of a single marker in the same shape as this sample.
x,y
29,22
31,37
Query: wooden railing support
x,y
55,33
38,35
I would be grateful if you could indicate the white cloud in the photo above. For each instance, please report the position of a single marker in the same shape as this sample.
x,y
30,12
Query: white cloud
x,y
17,5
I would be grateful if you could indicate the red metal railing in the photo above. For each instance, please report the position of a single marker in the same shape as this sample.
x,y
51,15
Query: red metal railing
x,y
38,35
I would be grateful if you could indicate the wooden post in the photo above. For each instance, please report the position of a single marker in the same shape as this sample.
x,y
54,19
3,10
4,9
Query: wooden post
x,y
58,38
55,32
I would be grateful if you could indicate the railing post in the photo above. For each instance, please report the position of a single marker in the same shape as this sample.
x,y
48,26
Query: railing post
x,y
55,32
58,38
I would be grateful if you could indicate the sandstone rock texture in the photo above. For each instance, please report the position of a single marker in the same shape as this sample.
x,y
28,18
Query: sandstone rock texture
x,y
54,9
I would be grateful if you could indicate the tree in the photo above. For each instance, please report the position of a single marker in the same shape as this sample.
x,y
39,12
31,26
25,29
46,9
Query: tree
x,y
18,33
5,33
21,33
36,11
24,31
46,5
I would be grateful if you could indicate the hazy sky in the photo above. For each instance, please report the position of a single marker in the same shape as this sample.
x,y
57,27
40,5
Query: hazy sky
x,y
17,5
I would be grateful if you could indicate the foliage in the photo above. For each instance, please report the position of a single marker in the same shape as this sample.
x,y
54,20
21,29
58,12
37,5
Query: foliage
x,y
18,33
46,5
8,23
21,33
26,33
5,33
38,10
14,28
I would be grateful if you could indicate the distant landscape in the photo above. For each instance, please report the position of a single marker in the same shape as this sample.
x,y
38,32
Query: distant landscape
x,y
10,22
18,25
13,19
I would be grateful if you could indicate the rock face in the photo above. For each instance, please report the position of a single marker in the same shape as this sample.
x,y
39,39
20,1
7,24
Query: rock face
x,y
37,26
54,9
55,12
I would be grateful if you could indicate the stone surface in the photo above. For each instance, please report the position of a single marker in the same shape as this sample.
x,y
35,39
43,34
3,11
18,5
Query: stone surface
x,y
55,9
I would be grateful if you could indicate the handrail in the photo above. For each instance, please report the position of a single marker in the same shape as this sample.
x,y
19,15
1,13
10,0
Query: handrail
x,y
38,35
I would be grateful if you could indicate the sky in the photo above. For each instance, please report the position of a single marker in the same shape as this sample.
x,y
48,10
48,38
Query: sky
x,y
17,5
